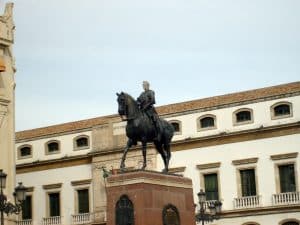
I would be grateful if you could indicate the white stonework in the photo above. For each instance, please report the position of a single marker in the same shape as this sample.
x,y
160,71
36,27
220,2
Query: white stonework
x,y
7,101
262,144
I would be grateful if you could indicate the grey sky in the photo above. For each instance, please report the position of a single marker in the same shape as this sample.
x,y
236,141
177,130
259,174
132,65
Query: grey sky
x,y
72,56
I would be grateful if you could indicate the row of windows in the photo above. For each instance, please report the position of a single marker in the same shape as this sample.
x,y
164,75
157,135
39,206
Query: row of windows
x,y
54,204
53,147
247,182
242,116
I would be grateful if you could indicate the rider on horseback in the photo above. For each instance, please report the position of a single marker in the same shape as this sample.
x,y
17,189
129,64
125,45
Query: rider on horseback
x,y
146,103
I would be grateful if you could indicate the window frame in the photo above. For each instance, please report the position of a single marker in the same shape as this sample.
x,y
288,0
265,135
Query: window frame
x,y
76,189
81,185
277,175
75,147
217,176
245,166
272,109
47,147
199,128
210,168
180,126
234,116
48,202
29,192
19,156
255,179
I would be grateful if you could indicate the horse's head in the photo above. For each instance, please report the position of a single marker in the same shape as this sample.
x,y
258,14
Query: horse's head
x,y
122,105
128,108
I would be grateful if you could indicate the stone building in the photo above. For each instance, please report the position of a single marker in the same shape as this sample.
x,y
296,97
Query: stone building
x,y
241,148
7,102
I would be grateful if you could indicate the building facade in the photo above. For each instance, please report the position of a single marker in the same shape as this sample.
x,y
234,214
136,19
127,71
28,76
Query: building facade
x,y
240,148
7,102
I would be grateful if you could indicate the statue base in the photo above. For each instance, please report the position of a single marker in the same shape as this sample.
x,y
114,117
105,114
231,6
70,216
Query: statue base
x,y
152,197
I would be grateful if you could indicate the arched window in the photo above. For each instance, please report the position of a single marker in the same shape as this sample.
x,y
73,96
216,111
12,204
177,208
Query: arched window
x,y
124,211
52,147
206,122
170,215
281,110
243,116
24,151
81,142
176,125
290,223
250,223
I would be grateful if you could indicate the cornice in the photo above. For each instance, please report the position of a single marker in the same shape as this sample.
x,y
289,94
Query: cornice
x,y
260,211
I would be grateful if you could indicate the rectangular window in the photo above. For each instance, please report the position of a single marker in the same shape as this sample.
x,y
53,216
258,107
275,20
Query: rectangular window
x,y
83,201
211,186
27,208
248,184
287,178
54,204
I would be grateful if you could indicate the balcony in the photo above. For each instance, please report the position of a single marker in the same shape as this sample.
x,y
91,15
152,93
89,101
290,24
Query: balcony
x,y
247,202
55,220
287,198
24,222
83,218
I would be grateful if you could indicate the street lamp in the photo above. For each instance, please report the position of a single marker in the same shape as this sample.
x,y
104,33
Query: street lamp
x,y
5,205
213,206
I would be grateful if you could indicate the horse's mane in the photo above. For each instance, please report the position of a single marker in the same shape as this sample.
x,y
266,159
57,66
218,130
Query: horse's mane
x,y
129,96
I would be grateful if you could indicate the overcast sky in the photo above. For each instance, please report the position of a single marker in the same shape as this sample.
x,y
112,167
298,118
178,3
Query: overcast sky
x,y
73,56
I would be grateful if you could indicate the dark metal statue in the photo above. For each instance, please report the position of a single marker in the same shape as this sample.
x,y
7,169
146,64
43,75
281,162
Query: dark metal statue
x,y
140,128
146,103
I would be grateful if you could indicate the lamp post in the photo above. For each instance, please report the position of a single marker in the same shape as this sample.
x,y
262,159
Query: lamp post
x,y
214,209
5,205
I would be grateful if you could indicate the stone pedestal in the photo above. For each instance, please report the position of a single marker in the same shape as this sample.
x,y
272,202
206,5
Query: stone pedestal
x,y
150,194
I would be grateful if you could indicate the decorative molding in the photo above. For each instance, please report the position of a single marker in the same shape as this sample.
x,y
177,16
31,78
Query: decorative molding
x,y
52,186
208,166
284,156
177,169
53,164
29,189
81,182
244,161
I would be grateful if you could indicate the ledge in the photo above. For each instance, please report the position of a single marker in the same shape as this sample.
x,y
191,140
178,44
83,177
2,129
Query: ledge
x,y
244,161
208,166
284,156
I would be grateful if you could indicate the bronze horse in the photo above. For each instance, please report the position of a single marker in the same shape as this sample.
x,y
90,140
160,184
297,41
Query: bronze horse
x,y
140,128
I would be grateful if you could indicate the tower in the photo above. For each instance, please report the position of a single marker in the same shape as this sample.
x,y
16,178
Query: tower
x,y
7,102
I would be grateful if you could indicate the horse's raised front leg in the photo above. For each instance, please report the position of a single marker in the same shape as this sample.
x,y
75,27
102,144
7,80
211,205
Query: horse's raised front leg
x,y
128,146
144,147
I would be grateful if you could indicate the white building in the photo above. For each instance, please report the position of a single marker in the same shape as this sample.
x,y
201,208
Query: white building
x,y
241,148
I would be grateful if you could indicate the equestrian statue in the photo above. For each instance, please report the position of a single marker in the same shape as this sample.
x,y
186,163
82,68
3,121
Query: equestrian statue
x,y
144,125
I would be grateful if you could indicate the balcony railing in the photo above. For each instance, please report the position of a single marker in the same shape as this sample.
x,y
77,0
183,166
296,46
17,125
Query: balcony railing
x,y
286,198
24,222
54,220
247,202
83,218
